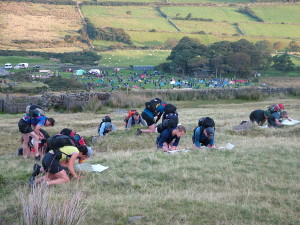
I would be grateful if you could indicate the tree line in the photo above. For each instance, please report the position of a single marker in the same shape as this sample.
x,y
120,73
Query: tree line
x,y
241,58
79,58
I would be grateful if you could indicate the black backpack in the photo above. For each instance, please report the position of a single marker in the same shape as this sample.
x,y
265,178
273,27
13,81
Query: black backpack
x,y
206,122
34,111
153,104
169,108
169,121
58,141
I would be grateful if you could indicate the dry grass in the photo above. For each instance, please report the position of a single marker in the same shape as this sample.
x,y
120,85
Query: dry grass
x,y
254,183
38,26
280,82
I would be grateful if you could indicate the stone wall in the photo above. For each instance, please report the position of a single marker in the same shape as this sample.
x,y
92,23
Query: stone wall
x,y
77,100
67,101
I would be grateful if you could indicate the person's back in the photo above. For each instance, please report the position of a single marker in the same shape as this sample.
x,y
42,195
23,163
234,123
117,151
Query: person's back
x,y
259,116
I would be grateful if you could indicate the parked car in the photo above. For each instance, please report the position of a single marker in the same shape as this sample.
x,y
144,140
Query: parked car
x,y
37,66
7,66
21,66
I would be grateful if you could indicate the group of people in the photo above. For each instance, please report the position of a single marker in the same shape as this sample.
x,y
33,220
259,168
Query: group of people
x,y
58,152
169,130
273,116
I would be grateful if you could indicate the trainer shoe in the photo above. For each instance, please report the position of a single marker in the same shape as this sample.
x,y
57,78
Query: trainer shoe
x,y
36,170
138,131
20,151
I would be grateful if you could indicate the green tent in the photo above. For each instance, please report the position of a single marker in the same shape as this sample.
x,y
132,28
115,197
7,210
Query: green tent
x,y
80,72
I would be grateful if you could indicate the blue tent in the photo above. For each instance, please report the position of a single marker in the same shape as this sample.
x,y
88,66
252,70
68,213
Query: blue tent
x,y
177,83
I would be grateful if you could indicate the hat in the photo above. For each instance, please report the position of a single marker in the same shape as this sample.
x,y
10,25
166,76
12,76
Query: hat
x,y
210,132
281,106
267,113
90,151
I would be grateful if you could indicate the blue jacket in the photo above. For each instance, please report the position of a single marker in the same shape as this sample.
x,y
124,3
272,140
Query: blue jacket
x,y
166,136
39,120
199,137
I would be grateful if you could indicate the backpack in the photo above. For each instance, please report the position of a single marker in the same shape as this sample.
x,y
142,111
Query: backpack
x,y
170,120
153,104
130,114
76,138
104,119
58,141
34,111
274,108
169,108
206,122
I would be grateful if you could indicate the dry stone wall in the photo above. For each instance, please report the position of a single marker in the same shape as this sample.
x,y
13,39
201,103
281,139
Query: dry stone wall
x,y
77,100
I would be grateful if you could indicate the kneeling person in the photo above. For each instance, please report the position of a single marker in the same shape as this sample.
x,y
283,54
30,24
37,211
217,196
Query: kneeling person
x,y
170,137
204,136
57,165
259,116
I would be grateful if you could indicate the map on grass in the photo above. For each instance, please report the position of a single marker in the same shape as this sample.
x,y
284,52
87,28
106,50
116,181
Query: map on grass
x,y
290,123
86,167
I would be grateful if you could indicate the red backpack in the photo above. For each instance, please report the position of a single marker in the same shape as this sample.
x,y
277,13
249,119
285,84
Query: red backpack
x,y
130,113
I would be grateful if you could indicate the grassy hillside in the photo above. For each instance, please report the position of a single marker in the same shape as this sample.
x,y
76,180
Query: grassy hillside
x,y
38,26
254,183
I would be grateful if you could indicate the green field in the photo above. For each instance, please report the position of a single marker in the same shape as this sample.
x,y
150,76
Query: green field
x,y
133,57
278,14
271,30
214,13
14,60
142,18
207,27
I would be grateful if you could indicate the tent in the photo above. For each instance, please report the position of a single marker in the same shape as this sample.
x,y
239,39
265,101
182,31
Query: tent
x,y
80,72
177,83
172,82
142,76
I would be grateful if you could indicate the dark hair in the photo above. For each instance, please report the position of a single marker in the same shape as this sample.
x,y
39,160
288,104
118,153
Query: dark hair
x,y
66,131
83,149
51,120
136,114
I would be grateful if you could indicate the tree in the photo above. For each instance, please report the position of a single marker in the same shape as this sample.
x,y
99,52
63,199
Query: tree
x,y
240,63
283,63
264,46
278,45
294,46
170,43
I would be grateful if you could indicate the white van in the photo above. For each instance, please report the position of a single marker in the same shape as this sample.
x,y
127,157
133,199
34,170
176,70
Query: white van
x,y
7,66
21,66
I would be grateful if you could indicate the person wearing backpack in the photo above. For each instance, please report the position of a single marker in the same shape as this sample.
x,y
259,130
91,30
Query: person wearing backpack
x,y
275,118
168,139
57,166
153,108
259,116
106,126
204,134
135,119
29,126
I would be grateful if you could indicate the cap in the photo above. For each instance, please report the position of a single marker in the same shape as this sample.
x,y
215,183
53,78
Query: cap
x,y
210,132
281,106
90,151
267,113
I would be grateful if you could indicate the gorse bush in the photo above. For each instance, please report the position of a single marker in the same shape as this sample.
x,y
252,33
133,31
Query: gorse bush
x,y
43,207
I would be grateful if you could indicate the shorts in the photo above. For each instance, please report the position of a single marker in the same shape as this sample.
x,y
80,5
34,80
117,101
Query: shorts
x,y
51,164
24,127
150,121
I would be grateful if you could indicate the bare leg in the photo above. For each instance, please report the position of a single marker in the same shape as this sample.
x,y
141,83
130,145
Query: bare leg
x,y
35,143
26,150
150,129
58,178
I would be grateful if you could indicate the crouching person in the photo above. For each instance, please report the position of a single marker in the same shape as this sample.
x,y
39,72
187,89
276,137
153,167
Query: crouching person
x,y
169,138
59,164
204,137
